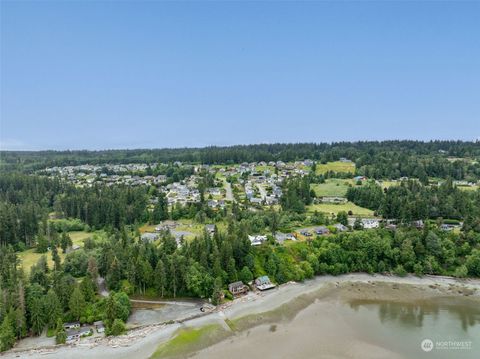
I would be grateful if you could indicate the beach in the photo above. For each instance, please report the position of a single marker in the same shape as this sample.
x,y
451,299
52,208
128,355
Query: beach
x,y
260,319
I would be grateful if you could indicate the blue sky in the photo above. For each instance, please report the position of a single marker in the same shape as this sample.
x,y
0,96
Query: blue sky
x,y
97,75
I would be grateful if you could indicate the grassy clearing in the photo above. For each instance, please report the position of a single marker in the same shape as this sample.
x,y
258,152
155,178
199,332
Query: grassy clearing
x,y
335,167
332,187
468,188
30,257
388,184
335,208
189,340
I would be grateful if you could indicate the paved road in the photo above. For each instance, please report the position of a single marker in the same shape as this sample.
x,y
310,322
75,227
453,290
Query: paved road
x,y
229,193
263,192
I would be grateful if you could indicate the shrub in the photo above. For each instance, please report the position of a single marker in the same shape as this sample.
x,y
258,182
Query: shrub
x,y
118,327
461,271
400,271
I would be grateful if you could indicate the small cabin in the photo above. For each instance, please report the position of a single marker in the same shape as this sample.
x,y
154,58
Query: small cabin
x,y
237,288
264,283
99,326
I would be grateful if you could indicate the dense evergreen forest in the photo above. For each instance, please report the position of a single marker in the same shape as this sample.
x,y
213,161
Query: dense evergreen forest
x,y
389,159
412,200
37,213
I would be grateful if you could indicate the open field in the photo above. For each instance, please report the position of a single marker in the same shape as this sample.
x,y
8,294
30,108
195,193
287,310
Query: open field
x,y
388,184
468,188
332,187
335,208
335,167
31,257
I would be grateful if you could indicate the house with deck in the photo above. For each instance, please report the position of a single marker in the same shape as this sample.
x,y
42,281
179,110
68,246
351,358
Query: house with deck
x,y
237,288
264,283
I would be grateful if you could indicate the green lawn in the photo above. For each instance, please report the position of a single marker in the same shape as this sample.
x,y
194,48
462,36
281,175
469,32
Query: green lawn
x,y
335,208
31,257
388,184
332,187
468,188
189,340
336,167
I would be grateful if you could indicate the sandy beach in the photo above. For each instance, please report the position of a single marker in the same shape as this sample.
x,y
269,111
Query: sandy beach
x,y
256,311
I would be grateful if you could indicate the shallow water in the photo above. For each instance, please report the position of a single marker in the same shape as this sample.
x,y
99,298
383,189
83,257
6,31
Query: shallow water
x,y
363,329
453,325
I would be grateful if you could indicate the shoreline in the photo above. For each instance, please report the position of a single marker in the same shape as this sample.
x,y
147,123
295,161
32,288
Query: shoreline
x,y
258,308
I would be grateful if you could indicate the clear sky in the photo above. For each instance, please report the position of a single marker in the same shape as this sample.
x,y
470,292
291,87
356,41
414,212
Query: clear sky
x,y
98,75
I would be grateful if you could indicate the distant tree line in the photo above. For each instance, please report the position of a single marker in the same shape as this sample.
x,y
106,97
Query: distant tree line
x,y
387,159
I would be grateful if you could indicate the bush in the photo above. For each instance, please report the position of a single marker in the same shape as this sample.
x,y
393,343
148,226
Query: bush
x,y
418,269
228,295
118,327
400,271
76,263
461,271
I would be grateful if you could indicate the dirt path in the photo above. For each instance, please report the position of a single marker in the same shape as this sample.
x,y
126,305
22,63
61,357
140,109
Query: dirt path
x,y
186,304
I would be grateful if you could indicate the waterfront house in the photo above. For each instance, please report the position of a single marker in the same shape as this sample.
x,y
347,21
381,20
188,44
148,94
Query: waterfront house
x,y
75,334
264,283
237,288
99,326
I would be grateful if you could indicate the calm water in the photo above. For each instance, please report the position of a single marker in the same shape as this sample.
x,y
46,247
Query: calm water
x,y
403,326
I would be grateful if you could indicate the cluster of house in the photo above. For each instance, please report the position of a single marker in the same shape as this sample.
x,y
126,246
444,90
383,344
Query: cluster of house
x,y
256,240
112,168
261,283
75,331
263,189
186,192
88,175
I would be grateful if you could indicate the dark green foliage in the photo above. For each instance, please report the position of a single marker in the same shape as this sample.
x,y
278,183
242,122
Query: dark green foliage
x,y
61,335
77,303
76,263
117,328
7,335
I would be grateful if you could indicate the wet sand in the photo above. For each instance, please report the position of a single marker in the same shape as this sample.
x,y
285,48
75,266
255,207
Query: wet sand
x,y
313,333
257,312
